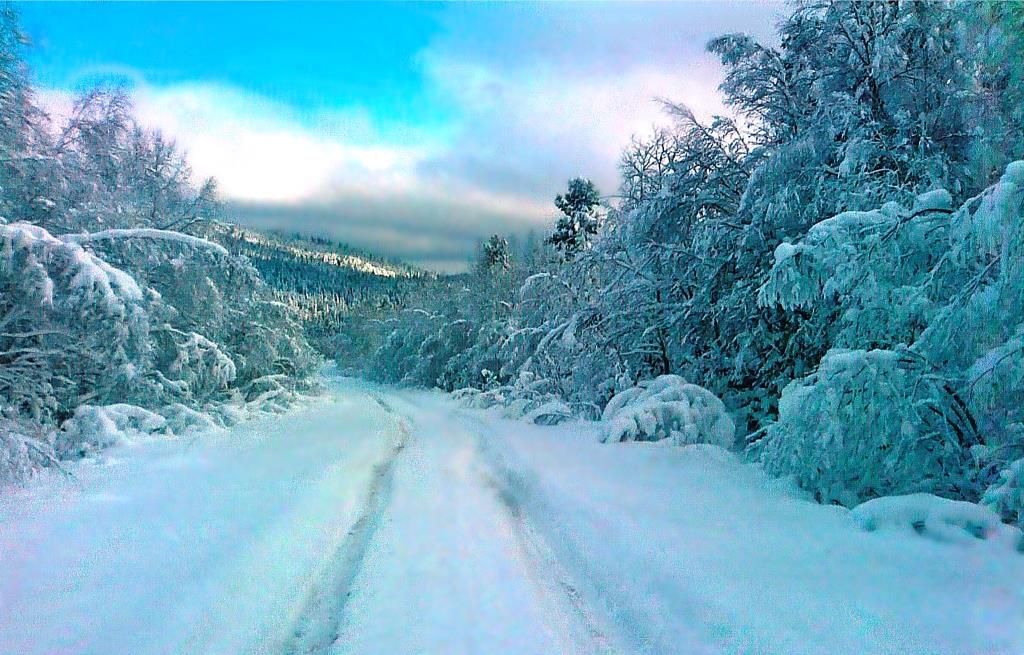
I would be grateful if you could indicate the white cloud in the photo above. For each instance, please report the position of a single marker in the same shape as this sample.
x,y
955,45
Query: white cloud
x,y
259,151
534,129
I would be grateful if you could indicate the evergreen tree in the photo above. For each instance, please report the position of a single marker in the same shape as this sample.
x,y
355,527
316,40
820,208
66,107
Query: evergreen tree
x,y
494,255
578,223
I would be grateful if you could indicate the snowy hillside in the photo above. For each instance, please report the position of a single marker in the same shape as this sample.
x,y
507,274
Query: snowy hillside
x,y
262,247
324,282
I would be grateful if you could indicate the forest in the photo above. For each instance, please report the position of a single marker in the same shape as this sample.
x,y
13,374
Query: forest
x,y
836,265
827,280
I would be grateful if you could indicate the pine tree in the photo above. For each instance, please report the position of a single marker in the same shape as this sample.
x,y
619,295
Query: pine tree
x,y
579,221
494,255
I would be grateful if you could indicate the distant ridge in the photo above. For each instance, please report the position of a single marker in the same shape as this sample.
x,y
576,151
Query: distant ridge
x,y
322,280
258,244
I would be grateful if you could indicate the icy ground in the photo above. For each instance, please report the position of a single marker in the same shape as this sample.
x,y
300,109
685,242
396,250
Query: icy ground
x,y
377,521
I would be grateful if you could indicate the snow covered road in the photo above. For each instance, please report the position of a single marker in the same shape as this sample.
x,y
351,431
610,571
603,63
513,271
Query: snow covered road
x,y
384,522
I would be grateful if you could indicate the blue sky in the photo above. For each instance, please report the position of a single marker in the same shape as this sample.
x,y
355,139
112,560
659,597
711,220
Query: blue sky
x,y
409,129
311,56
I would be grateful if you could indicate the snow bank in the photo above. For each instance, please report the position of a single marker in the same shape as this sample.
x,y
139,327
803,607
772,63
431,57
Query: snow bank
x,y
937,518
668,407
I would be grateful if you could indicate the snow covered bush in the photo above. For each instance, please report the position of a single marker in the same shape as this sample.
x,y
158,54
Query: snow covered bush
x,y
25,448
871,423
525,399
1006,496
96,427
202,366
936,518
182,419
552,412
73,326
668,408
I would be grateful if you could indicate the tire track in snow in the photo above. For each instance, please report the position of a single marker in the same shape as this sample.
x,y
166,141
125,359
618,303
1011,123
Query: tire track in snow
x,y
318,625
577,627
618,625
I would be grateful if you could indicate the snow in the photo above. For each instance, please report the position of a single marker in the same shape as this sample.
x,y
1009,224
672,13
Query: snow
x,y
937,518
450,570
201,545
786,250
94,428
85,270
146,233
668,408
939,199
381,521
689,551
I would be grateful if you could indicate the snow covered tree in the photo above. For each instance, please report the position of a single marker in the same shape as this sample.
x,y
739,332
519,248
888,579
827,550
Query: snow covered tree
x,y
865,102
995,35
666,261
941,413
645,165
494,255
578,223
115,174
26,170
